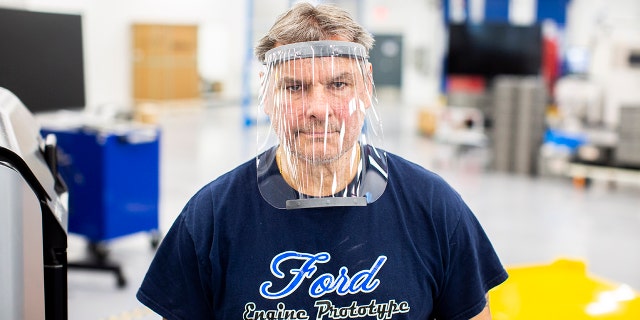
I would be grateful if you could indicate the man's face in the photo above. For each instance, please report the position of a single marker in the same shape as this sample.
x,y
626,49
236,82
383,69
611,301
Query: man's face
x,y
317,105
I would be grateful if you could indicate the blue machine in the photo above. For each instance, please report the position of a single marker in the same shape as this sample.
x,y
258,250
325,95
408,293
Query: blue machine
x,y
113,180
112,174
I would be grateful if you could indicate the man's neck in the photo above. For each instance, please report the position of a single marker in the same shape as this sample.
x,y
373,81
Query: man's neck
x,y
318,178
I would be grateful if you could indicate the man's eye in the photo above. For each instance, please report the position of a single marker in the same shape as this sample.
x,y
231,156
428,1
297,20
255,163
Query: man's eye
x,y
339,85
294,87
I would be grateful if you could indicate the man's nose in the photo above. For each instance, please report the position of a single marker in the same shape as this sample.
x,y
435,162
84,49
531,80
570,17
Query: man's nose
x,y
317,103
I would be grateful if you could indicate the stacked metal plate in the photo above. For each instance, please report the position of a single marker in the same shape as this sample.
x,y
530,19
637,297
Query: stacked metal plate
x,y
627,151
519,117
505,99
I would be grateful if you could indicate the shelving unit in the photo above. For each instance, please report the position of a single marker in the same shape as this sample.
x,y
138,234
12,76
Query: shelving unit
x,y
581,173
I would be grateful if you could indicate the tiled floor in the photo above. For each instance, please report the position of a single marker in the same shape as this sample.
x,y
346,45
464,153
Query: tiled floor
x,y
530,220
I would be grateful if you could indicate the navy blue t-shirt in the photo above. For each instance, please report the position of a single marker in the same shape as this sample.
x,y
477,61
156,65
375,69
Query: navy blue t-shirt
x,y
417,252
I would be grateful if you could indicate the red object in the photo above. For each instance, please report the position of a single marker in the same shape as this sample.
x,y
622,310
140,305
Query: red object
x,y
550,62
468,84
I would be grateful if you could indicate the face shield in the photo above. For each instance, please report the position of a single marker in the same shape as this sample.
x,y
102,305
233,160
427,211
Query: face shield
x,y
321,148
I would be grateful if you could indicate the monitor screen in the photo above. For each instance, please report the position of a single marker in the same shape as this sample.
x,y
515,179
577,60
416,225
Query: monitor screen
x,y
494,48
41,60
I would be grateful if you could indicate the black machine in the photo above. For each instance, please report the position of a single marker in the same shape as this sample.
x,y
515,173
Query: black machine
x,y
35,237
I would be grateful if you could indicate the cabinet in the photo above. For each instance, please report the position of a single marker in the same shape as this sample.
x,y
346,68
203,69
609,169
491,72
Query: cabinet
x,y
113,180
165,65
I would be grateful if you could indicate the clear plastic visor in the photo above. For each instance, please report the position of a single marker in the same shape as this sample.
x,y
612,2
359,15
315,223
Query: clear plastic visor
x,y
321,146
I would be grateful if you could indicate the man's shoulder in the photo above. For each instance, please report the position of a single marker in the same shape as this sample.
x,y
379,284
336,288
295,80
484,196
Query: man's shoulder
x,y
411,178
236,181
240,174
408,169
233,188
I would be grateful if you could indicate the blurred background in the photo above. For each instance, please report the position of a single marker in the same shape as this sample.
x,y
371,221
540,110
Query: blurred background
x,y
529,108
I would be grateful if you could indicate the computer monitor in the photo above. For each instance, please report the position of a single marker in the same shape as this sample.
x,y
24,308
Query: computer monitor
x,y
41,60
493,48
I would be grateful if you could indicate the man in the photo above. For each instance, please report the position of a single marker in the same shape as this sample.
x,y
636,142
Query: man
x,y
323,224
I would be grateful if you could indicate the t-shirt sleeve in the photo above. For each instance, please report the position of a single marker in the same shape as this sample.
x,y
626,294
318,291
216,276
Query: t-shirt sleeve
x,y
176,285
472,269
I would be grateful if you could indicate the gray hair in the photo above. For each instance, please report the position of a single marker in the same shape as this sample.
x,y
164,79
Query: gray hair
x,y
304,22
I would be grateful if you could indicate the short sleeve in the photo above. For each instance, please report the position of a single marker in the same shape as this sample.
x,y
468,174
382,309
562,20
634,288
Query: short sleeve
x,y
471,270
176,285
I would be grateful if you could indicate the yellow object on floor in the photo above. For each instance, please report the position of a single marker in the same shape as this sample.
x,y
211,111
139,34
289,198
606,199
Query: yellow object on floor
x,y
561,290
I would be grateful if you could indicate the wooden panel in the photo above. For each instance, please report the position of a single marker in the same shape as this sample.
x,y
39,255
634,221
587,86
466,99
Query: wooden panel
x,y
165,65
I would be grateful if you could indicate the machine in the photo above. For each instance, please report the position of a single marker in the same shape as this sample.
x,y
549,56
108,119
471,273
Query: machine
x,y
33,218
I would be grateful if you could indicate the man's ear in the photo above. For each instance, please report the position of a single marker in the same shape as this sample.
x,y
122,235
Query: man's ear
x,y
369,83
267,108
369,76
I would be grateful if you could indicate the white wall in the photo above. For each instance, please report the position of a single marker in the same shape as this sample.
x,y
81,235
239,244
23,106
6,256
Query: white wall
x,y
107,38
420,23
223,40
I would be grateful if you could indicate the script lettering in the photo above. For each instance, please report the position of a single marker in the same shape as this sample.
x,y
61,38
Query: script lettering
x,y
361,282
307,270
251,313
381,311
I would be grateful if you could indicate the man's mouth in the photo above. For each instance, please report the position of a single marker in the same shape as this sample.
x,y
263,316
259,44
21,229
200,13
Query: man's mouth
x,y
314,134
317,134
